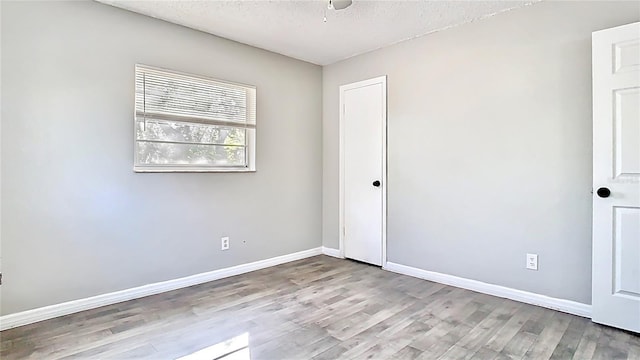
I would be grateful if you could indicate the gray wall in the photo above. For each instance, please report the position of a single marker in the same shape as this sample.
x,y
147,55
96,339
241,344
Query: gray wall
x,y
76,220
489,146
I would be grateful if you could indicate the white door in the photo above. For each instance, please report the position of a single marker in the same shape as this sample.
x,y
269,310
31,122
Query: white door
x,y
616,177
363,120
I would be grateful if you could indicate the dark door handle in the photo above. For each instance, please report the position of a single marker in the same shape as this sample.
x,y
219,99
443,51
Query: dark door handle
x,y
376,183
603,192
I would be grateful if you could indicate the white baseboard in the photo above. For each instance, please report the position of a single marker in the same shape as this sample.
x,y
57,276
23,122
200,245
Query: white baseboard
x,y
568,306
331,252
70,307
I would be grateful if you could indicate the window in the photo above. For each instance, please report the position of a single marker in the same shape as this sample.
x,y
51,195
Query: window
x,y
191,123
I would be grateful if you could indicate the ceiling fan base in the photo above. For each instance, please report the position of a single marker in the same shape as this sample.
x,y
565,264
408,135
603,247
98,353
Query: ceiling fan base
x,y
341,4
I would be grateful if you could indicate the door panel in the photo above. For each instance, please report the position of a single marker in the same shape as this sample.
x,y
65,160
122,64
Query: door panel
x,y
363,133
627,132
626,245
616,166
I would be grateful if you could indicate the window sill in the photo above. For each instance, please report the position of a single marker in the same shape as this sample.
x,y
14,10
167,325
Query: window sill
x,y
158,169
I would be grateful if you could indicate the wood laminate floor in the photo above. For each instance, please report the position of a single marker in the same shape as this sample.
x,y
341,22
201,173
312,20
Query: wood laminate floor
x,y
320,308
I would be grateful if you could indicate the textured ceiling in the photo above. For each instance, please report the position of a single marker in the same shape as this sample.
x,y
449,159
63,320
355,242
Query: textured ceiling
x,y
296,28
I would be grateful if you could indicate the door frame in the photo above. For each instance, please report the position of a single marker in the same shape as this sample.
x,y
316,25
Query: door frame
x,y
377,80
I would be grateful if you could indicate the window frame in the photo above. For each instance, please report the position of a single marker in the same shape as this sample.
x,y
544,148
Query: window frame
x,y
250,136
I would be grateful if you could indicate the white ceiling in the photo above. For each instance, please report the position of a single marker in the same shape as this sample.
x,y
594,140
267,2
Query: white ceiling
x,y
296,28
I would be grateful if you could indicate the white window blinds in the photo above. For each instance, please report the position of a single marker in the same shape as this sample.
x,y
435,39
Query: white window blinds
x,y
191,123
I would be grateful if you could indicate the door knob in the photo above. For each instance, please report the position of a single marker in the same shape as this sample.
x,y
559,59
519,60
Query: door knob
x,y
603,192
376,183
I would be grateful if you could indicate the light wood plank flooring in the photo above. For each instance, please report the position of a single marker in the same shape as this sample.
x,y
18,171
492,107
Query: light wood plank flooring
x,y
320,308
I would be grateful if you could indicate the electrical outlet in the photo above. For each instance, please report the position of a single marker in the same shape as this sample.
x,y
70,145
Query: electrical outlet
x,y
532,261
225,243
